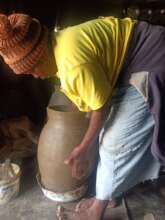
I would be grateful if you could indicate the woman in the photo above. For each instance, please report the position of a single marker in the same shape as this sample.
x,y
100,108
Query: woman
x,y
114,69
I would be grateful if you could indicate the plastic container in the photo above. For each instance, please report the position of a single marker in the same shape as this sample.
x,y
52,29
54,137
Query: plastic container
x,y
9,181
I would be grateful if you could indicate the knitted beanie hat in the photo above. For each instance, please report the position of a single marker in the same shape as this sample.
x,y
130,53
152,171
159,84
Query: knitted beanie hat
x,y
22,41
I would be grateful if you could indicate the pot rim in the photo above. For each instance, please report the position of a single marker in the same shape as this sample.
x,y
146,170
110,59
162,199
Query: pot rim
x,y
64,109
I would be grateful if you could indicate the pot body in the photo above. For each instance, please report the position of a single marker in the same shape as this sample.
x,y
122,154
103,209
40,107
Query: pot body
x,y
63,131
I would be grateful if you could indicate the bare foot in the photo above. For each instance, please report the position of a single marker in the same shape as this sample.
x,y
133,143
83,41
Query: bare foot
x,y
67,214
87,203
84,204
112,204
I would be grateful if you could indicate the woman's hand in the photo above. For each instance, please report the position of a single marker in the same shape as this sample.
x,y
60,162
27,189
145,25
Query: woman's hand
x,y
77,160
78,157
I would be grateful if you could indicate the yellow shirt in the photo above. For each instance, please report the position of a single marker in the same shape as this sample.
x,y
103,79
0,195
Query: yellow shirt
x,y
89,58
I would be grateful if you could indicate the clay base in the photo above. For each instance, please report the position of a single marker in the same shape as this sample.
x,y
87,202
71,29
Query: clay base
x,y
69,196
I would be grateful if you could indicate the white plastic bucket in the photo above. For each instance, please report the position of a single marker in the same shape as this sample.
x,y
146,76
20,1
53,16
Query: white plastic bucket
x,y
9,188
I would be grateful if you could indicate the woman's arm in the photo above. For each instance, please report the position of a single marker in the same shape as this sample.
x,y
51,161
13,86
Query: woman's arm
x,y
95,124
78,155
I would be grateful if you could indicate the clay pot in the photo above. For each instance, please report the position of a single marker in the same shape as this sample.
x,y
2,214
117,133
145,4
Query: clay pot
x,y
63,131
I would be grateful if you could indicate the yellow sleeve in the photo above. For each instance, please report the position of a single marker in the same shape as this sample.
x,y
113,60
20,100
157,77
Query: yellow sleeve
x,y
87,86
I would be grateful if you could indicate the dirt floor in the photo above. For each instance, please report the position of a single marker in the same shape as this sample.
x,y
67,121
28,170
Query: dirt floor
x,y
31,204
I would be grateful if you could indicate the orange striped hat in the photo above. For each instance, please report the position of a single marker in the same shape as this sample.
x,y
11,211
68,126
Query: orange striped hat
x,y
22,41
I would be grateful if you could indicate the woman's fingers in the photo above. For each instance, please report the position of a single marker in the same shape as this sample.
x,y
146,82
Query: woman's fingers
x,y
78,169
72,157
69,160
78,163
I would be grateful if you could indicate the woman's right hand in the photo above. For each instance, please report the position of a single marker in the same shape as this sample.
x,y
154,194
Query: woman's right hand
x,y
78,157
78,162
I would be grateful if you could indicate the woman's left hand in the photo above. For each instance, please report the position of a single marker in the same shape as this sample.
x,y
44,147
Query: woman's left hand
x,y
77,160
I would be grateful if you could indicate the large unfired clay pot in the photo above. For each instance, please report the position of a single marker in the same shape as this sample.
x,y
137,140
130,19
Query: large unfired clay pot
x,y
63,131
